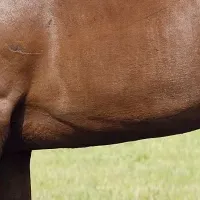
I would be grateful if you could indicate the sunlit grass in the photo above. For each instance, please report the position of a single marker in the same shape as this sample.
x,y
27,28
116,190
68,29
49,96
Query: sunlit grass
x,y
156,169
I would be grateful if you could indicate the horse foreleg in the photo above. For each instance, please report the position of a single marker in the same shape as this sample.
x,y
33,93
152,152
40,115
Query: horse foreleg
x,y
15,176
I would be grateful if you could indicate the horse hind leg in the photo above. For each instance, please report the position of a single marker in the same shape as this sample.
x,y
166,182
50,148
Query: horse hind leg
x,y
14,166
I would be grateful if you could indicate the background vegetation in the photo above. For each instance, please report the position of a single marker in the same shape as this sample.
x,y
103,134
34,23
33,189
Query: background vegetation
x,y
154,169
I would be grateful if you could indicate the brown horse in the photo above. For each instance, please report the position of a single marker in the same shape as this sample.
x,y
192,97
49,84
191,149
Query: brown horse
x,y
79,73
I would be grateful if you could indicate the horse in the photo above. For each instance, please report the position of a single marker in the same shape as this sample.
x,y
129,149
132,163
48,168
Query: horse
x,y
80,73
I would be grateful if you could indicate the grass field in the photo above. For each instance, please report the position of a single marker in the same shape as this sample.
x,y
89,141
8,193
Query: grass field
x,y
156,169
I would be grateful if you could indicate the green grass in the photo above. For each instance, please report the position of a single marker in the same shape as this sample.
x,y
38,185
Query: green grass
x,y
156,169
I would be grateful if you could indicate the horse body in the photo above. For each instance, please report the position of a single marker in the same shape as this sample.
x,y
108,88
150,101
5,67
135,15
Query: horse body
x,y
86,73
